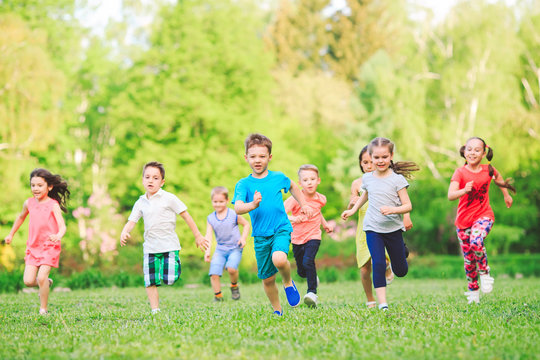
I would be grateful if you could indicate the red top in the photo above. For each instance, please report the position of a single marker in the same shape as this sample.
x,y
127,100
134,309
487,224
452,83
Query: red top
x,y
39,249
475,204
309,229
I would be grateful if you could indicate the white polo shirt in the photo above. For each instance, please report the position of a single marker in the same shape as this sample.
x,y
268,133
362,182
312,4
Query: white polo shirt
x,y
159,215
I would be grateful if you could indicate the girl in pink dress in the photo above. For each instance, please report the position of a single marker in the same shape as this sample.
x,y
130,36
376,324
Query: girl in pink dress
x,y
46,228
474,219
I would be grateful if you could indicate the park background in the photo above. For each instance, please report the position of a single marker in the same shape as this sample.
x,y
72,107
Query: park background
x,y
185,82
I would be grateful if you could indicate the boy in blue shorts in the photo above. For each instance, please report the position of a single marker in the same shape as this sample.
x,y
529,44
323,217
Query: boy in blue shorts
x,y
159,208
260,194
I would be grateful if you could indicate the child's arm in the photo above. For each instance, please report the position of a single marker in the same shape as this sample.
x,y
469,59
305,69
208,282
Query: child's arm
x,y
208,236
125,235
499,180
298,196
454,192
404,208
289,204
355,187
245,231
200,240
17,224
407,222
60,222
327,227
359,203
241,207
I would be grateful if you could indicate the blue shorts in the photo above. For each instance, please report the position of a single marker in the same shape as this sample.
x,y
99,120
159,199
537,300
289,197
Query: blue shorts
x,y
265,246
229,259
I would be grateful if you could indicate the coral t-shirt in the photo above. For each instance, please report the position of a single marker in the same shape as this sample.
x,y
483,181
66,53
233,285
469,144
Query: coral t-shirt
x,y
310,228
475,204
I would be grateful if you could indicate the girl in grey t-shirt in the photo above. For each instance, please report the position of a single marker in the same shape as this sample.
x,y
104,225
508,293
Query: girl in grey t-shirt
x,y
386,189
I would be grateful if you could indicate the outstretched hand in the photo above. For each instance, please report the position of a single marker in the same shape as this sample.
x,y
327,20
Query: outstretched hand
x,y
202,242
124,236
8,239
346,214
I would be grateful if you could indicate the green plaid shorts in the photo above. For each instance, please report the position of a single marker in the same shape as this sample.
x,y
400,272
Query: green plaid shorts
x,y
160,267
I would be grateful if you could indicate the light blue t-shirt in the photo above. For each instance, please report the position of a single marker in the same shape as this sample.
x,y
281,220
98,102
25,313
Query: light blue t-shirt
x,y
383,192
226,230
270,217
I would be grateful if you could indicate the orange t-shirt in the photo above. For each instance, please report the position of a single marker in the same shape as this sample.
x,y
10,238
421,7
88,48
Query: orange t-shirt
x,y
475,204
311,228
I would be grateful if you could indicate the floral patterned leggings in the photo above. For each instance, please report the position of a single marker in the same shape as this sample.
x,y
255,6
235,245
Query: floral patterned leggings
x,y
474,251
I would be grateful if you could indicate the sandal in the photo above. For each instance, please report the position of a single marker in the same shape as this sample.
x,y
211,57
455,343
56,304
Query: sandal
x,y
371,304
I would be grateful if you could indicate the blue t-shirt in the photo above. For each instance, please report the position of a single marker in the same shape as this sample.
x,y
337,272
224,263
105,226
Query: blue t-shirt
x,y
226,230
270,217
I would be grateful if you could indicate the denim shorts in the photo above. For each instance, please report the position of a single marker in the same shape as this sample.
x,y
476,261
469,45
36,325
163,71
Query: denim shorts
x,y
229,259
265,246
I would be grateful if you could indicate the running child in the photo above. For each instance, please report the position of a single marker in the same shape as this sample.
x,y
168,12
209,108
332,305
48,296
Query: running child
x,y
45,230
386,189
260,194
474,219
363,257
224,223
159,208
306,235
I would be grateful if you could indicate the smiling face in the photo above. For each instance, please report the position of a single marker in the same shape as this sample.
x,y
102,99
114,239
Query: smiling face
x,y
474,151
381,157
219,202
309,180
152,180
40,188
258,158
366,163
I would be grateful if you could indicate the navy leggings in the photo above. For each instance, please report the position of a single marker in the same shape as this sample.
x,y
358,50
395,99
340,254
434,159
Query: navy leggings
x,y
393,242
305,262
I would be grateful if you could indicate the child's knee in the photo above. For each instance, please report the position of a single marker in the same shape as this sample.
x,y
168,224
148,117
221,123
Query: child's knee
x,y
29,282
365,272
232,271
279,258
269,281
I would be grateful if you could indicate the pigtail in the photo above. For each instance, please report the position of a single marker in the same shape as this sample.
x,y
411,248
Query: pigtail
x,y
404,168
489,156
462,152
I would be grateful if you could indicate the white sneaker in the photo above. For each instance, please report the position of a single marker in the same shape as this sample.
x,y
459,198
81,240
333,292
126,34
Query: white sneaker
x,y
473,296
310,299
486,283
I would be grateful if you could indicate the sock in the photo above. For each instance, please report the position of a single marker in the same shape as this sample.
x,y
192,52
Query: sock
x,y
218,294
233,285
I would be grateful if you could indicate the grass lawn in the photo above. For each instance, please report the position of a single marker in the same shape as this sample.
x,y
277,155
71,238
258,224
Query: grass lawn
x,y
428,319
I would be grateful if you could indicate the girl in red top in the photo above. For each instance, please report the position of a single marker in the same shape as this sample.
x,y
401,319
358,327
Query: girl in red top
x,y
45,230
470,184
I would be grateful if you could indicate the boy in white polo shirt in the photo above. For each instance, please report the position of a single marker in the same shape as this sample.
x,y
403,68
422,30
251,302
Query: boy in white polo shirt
x,y
159,208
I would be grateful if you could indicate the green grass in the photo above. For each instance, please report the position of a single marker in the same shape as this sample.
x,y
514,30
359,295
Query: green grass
x,y
428,319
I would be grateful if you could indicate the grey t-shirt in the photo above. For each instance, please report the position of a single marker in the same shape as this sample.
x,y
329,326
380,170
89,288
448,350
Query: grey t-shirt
x,y
383,192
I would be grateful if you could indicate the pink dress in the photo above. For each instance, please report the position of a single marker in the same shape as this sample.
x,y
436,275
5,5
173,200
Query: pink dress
x,y
39,249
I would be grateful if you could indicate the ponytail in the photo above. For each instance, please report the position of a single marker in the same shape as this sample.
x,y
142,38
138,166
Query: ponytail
x,y
59,191
404,168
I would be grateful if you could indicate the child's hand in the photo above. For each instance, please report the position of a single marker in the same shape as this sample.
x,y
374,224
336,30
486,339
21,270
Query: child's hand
x,y
207,256
242,242
298,219
306,210
387,210
8,239
124,236
54,237
257,198
202,242
346,214
407,223
507,200
328,228
468,187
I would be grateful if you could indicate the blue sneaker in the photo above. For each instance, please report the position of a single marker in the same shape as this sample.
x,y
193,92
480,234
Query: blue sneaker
x,y
293,296
278,313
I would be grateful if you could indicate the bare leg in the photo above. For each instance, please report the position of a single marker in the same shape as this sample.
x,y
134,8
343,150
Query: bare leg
x,y
233,274
279,258
30,275
43,282
153,296
215,280
271,291
365,272
381,294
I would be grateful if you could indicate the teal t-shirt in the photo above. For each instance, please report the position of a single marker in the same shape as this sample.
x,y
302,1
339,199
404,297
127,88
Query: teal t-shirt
x,y
270,217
